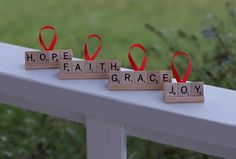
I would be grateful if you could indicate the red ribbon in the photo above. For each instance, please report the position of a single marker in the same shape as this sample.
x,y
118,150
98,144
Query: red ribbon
x,y
54,40
95,54
132,63
187,72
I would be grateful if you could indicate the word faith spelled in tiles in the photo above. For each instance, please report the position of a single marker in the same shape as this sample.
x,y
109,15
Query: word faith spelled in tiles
x,y
88,69
46,59
138,80
184,92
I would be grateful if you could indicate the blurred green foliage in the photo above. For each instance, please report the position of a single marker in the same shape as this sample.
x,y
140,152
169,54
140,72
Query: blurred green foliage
x,y
204,28
25,135
212,49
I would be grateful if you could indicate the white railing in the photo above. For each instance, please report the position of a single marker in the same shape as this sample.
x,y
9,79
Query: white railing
x,y
110,116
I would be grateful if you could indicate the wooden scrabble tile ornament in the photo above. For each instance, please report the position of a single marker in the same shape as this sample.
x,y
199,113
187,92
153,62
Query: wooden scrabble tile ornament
x,y
88,68
47,58
182,91
138,79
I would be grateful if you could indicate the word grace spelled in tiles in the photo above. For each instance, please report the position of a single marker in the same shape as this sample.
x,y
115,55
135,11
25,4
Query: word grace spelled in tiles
x,y
184,92
97,69
138,80
46,59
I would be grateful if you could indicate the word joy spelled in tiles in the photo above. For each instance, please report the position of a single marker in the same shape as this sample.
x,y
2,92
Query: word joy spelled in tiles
x,y
46,59
125,80
184,92
88,69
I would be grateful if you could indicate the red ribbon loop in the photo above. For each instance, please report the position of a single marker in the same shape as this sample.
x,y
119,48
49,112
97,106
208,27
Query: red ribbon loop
x,y
187,72
54,39
132,63
95,54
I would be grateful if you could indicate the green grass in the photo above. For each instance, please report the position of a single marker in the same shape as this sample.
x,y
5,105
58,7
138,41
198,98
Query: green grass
x,y
120,23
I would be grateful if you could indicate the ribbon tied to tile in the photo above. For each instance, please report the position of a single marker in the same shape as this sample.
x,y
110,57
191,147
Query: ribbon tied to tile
x,y
188,70
95,54
54,39
131,60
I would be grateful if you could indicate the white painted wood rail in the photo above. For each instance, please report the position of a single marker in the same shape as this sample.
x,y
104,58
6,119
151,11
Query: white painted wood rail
x,y
110,116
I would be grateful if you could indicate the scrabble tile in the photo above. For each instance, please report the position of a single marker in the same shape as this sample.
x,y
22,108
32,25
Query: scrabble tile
x,y
138,80
140,77
183,89
66,54
165,76
43,57
78,66
54,56
127,77
114,65
30,57
153,77
170,89
114,78
90,66
65,66
102,65
197,89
